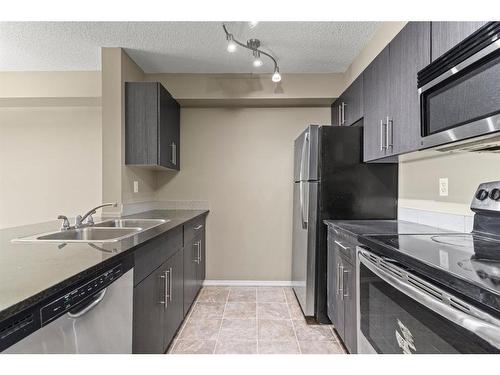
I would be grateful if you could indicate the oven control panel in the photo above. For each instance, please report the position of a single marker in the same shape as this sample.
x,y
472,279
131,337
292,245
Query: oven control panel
x,y
487,197
69,300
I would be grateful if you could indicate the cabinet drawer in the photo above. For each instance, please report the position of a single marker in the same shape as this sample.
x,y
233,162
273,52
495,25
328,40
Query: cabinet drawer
x,y
151,255
193,229
343,243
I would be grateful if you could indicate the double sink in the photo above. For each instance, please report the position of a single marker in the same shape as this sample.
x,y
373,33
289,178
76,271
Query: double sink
x,y
106,231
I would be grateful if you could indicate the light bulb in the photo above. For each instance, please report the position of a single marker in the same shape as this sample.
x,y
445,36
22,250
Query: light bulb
x,y
231,46
276,76
257,62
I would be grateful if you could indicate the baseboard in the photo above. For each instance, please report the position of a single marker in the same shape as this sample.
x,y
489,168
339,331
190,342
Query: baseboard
x,y
246,283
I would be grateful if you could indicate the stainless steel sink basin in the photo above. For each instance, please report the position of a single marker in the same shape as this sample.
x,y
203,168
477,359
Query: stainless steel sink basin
x,y
88,234
131,223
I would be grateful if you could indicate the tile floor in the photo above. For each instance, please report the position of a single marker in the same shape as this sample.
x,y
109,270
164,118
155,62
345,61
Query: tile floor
x,y
245,320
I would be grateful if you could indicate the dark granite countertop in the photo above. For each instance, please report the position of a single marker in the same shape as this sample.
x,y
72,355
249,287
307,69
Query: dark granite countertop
x,y
370,227
31,271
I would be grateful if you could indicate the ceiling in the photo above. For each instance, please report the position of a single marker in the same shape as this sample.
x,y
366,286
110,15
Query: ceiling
x,y
182,47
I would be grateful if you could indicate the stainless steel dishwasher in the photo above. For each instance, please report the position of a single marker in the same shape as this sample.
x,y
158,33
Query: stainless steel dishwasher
x,y
93,316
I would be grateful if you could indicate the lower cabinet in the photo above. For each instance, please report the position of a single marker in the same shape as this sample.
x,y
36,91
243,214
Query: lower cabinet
x,y
170,272
341,290
194,263
159,306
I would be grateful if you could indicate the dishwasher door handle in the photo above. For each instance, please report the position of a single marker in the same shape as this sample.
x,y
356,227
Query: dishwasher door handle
x,y
90,306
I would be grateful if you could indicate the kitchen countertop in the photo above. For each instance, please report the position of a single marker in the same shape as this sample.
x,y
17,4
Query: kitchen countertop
x,y
370,227
31,271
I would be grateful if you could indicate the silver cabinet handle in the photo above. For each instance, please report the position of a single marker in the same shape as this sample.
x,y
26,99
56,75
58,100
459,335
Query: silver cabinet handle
x,y
344,288
338,278
198,227
164,291
90,306
174,153
199,253
167,287
343,113
197,258
341,289
441,302
388,133
170,282
382,135
340,115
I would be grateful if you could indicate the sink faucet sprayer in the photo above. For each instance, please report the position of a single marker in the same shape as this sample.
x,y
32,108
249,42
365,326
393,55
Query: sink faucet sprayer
x,y
79,220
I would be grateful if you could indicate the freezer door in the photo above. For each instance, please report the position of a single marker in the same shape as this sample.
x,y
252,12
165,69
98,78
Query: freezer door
x,y
306,155
304,243
105,328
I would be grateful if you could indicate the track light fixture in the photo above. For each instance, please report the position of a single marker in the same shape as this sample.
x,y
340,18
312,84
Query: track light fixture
x,y
252,45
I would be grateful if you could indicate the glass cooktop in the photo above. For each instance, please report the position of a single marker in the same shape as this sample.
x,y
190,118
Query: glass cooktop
x,y
469,256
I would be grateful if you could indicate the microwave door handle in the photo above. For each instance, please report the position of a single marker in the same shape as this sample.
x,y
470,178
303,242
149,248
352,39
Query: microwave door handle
x,y
479,322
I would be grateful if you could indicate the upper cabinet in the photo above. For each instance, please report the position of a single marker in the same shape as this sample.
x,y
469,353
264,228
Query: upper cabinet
x,y
348,108
152,126
446,35
391,103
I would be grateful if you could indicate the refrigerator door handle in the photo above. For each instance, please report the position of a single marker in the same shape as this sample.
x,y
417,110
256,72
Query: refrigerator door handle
x,y
302,205
305,146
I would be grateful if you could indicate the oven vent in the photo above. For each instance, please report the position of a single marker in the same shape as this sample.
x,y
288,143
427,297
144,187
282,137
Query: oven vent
x,y
459,305
388,268
489,145
436,293
15,326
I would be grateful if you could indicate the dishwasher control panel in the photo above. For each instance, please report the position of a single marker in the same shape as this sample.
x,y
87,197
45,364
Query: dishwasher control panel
x,y
71,299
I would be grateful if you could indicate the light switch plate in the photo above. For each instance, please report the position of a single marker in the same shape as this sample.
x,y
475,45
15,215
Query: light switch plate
x,y
136,186
443,187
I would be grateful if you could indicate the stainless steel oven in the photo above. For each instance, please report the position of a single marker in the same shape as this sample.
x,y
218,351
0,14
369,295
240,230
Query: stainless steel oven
x,y
460,91
401,312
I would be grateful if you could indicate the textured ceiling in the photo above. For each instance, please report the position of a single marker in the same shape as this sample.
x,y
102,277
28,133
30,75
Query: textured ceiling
x,y
182,47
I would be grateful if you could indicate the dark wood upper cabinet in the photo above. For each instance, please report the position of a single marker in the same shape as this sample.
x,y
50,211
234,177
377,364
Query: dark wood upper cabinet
x,y
445,35
152,126
348,108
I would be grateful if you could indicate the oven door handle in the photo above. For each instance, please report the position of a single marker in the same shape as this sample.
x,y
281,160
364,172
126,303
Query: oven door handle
x,y
448,306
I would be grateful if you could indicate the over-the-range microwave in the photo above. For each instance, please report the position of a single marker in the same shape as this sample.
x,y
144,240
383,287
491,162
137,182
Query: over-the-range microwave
x,y
460,93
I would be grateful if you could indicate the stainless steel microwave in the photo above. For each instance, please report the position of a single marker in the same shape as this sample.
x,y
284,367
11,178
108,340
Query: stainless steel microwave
x,y
460,91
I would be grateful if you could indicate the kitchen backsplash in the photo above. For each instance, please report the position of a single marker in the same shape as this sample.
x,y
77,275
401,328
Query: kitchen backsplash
x,y
457,222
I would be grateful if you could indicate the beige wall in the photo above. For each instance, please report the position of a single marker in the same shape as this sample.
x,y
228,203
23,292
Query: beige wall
x,y
419,175
50,155
50,163
241,160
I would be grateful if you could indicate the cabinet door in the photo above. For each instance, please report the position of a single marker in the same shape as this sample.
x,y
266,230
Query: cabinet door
x,y
169,130
349,302
376,104
353,102
409,53
190,274
201,265
174,311
446,35
331,276
141,123
149,298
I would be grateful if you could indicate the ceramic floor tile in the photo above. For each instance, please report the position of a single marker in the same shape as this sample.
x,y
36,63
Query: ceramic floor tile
x,y
320,347
289,295
313,332
268,310
236,347
276,330
278,347
295,311
243,295
194,347
201,329
238,329
270,295
240,310
207,310
214,294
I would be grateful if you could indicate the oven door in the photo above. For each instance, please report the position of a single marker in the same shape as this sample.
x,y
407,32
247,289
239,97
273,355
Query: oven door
x,y
399,312
464,101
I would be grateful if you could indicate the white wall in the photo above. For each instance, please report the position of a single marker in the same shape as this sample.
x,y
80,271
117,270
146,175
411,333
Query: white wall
x,y
240,160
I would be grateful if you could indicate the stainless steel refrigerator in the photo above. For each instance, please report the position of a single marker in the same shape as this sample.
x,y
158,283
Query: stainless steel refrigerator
x,y
332,182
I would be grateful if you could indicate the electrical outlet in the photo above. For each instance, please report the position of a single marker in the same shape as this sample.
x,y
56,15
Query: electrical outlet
x,y
136,186
443,187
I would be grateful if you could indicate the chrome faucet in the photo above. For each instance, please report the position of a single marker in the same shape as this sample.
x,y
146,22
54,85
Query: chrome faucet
x,y
79,220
